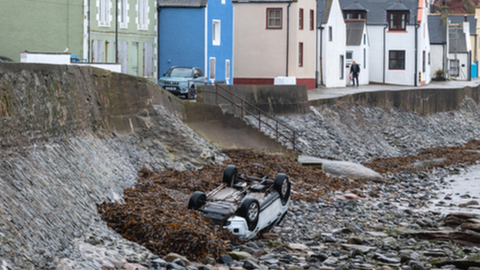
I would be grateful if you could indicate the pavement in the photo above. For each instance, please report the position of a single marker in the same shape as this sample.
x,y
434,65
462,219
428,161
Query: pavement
x,y
327,93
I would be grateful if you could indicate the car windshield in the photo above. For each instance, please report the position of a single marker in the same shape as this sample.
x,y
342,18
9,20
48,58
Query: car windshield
x,y
179,73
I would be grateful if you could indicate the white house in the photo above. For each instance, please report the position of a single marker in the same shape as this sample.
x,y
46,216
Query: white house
x,y
331,44
400,31
357,49
460,51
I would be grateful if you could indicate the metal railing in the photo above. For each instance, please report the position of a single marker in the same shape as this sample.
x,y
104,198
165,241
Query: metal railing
x,y
258,113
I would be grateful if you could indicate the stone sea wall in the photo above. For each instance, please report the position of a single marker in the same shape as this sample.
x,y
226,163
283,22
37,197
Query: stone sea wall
x,y
70,139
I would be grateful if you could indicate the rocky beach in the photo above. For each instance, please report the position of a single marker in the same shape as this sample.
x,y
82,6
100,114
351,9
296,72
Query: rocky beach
x,y
96,169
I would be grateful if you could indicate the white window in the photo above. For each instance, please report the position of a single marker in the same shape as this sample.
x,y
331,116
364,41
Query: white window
x,y
142,14
212,68
349,56
227,69
123,13
104,13
216,32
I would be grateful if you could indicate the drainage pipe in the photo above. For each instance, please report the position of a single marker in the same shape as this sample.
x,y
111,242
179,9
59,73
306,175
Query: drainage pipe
x,y
384,48
288,32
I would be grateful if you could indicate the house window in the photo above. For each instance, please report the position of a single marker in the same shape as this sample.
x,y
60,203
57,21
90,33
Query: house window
x,y
330,33
123,14
354,14
212,68
312,19
397,20
364,39
274,18
300,54
364,58
424,62
349,56
300,19
143,14
227,69
396,60
454,67
216,32
341,67
104,13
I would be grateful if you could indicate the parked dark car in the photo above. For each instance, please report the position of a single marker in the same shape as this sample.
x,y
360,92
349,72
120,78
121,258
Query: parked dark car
x,y
5,59
178,80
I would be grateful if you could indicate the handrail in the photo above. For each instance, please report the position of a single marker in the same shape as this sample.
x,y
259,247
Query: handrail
x,y
259,111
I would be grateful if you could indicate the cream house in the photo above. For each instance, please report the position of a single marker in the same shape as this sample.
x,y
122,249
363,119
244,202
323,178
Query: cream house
x,y
274,39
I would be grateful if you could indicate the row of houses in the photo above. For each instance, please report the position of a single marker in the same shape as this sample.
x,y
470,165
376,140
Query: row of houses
x,y
251,41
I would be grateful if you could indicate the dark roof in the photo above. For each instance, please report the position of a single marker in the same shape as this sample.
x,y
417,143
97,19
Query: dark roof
x,y
377,9
435,29
354,32
182,3
457,40
261,1
323,11
354,6
461,18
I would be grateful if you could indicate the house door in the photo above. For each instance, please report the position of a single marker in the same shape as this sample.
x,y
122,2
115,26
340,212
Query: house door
x,y
134,70
147,59
123,55
97,51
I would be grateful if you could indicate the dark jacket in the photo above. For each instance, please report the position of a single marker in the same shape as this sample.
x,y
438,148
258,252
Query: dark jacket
x,y
355,69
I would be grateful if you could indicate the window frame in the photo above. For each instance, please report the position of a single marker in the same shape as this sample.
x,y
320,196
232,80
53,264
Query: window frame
x,y
124,14
349,60
354,14
216,35
300,19
142,14
268,26
342,64
300,54
452,69
227,69
397,19
390,59
104,13
212,66
312,19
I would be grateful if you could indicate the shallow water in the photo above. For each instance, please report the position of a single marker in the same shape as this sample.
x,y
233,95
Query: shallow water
x,y
459,189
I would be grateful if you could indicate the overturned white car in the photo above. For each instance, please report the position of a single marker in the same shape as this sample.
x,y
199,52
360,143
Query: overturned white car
x,y
245,205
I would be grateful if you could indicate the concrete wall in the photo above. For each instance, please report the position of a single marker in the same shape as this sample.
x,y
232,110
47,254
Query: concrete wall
x,y
421,101
272,99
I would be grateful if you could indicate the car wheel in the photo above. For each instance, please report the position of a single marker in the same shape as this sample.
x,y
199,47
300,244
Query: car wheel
x,y
197,200
193,92
282,186
230,175
250,210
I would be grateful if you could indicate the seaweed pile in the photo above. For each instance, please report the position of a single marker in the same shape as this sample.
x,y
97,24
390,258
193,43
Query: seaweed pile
x,y
155,212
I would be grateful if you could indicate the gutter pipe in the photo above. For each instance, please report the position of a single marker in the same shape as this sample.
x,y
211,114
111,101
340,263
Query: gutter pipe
x,y
88,30
416,50
288,34
384,48
321,53
116,31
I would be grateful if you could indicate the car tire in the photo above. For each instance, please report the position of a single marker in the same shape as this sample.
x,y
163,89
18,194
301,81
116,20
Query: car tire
x,y
193,92
282,186
250,211
197,200
230,175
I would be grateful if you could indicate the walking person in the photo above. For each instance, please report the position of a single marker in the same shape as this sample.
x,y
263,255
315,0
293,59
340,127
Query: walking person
x,y
354,70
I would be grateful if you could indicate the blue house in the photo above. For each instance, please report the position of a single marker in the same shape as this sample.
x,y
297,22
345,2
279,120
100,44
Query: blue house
x,y
196,33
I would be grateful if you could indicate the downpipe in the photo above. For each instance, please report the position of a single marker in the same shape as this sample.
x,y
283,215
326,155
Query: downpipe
x,y
288,35
416,52
384,48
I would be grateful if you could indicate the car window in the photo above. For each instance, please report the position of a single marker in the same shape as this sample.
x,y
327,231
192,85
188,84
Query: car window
x,y
198,71
179,73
